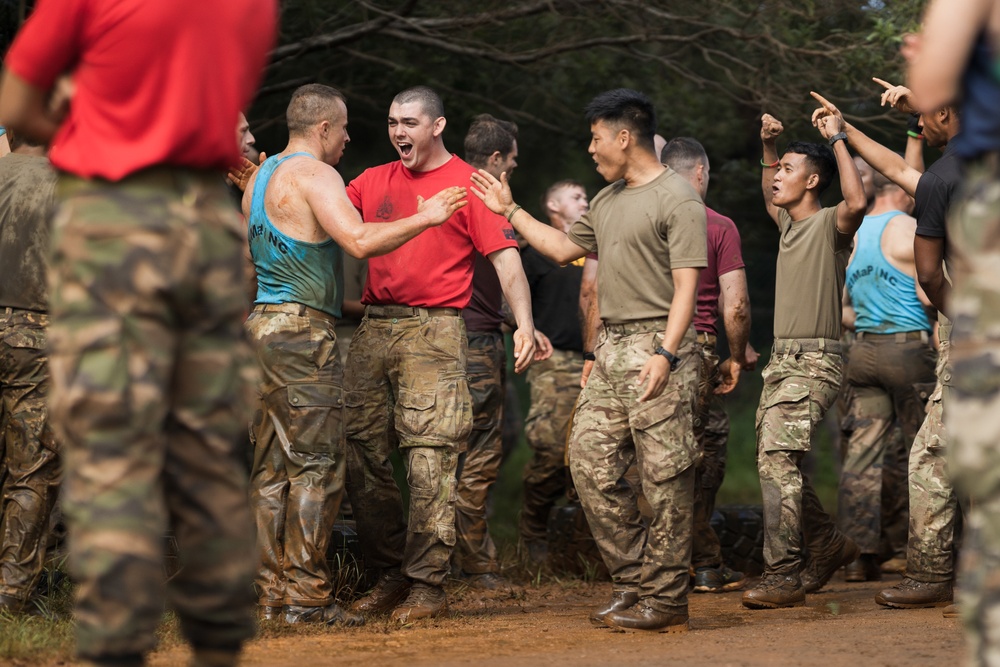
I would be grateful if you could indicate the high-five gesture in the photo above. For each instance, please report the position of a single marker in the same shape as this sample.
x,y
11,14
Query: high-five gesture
x,y
441,206
494,193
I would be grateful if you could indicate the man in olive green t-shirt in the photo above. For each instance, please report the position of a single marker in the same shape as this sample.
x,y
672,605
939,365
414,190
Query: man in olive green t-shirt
x,y
803,376
638,404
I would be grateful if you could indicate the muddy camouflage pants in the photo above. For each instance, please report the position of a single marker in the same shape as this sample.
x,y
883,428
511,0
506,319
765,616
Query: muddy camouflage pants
x,y
151,374
479,465
711,428
973,417
28,451
889,376
405,385
801,382
298,436
555,388
611,432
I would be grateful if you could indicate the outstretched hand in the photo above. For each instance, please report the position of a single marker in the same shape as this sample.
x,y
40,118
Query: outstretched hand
x,y
240,176
494,193
898,97
441,206
770,128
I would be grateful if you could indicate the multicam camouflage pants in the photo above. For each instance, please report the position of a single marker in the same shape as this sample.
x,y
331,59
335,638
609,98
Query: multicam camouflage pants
x,y
28,451
555,388
612,431
711,429
405,383
933,503
298,435
479,465
973,417
801,382
888,376
151,376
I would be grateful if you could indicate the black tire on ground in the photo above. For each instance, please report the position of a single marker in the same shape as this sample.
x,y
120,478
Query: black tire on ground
x,y
741,531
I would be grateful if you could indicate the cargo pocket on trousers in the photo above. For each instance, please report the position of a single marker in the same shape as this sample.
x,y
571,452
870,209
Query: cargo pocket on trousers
x,y
668,444
786,421
315,424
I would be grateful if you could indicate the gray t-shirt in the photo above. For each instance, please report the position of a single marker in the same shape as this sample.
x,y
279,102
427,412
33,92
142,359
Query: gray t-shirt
x,y
640,234
812,265
27,202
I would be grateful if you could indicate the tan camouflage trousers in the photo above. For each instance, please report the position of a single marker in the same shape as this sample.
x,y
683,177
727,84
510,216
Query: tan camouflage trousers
x,y
479,465
889,378
933,503
711,428
799,387
405,384
555,388
298,435
28,452
973,417
611,432
151,375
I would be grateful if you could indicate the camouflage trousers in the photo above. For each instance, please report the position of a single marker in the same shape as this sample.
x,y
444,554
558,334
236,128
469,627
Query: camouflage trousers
x,y
973,417
28,452
298,436
933,503
801,382
888,377
611,432
405,384
555,388
479,465
151,376
711,429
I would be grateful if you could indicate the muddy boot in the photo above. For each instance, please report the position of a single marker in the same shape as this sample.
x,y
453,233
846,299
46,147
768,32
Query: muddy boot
x,y
913,594
620,601
775,591
486,581
424,601
863,568
641,617
268,613
823,564
390,589
329,615
718,580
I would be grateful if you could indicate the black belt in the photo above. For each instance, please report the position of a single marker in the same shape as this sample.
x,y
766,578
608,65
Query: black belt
x,y
900,337
400,312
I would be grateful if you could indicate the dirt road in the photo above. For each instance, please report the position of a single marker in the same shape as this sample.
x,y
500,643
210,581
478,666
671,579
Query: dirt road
x,y
547,626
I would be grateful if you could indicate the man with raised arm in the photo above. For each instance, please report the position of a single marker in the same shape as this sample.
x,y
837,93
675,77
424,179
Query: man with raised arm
x,y
637,407
803,375
300,219
405,379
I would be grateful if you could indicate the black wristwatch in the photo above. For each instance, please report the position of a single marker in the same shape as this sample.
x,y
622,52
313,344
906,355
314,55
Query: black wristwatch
x,y
837,137
589,356
674,360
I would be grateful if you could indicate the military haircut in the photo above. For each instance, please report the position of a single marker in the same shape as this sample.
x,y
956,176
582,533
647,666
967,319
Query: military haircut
x,y
628,109
556,187
486,136
310,105
683,154
429,100
820,159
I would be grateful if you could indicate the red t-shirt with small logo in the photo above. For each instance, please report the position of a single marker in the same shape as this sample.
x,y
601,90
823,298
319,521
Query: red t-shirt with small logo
x,y
156,82
434,269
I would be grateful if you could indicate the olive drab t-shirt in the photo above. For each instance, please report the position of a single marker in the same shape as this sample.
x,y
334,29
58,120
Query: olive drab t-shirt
x,y
27,203
642,233
809,285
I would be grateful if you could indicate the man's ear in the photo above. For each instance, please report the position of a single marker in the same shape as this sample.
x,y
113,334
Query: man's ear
x,y
624,138
812,182
438,127
496,157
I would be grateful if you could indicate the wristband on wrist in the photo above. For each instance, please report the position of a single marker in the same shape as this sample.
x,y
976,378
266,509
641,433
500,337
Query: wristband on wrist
x,y
510,214
915,135
589,356
773,165
840,136
674,360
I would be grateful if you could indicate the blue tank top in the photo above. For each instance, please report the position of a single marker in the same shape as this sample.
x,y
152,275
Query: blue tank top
x,y
289,270
884,297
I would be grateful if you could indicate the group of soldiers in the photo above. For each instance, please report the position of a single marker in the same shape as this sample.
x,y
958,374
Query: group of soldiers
x,y
136,369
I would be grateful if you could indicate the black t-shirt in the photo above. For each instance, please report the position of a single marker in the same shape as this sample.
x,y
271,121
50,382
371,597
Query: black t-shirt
x,y
934,194
555,299
484,312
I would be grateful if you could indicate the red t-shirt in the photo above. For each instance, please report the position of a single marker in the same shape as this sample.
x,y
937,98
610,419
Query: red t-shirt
x,y
434,269
156,82
724,255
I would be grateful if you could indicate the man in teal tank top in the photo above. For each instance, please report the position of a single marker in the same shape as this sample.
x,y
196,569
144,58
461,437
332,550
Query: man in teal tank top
x,y
300,223
890,369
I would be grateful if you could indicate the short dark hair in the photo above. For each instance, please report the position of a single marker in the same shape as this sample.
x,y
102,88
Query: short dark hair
x,y
625,108
682,154
17,139
555,187
819,158
429,100
310,105
486,136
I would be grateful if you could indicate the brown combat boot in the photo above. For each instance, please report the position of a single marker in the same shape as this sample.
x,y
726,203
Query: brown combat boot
x,y
620,601
641,617
390,589
863,568
775,591
913,594
424,601
822,565
332,614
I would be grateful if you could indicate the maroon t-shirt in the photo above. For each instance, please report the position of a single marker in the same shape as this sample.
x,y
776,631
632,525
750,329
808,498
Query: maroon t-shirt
x,y
724,255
